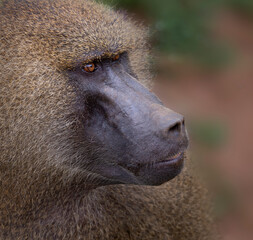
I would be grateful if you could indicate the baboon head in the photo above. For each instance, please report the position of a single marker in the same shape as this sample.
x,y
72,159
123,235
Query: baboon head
x,y
74,95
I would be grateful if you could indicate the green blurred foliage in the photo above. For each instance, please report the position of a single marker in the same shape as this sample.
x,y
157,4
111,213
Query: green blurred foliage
x,y
245,6
225,200
210,136
180,27
208,133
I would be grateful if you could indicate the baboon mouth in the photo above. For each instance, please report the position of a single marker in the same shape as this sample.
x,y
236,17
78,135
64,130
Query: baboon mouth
x,y
160,171
171,161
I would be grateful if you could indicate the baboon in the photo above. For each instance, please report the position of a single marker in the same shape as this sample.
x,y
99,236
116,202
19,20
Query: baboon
x,y
86,148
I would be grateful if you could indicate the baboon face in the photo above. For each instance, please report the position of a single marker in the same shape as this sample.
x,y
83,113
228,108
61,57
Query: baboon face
x,y
72,87
133,138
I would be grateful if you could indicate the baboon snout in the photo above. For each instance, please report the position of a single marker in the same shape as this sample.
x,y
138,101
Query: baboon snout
x,y
140,116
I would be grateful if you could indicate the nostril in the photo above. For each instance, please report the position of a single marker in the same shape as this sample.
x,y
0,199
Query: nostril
x,y
176,127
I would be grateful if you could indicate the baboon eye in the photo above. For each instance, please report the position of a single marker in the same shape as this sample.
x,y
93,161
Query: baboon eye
x,y
90,67
116,57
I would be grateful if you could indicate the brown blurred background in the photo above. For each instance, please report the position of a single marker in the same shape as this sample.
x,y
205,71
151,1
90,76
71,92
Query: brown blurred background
x,y
204,69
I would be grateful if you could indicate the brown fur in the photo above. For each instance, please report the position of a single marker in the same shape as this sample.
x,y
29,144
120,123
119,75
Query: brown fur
x,y
42,198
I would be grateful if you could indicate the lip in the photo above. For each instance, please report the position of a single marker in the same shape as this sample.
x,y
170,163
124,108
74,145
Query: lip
x,y
176,159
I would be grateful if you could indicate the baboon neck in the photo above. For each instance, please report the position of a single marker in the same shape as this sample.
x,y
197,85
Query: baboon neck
x,y
25,195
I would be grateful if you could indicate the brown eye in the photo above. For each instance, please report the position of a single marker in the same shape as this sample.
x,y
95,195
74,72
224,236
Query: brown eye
x,y
89,67
115,58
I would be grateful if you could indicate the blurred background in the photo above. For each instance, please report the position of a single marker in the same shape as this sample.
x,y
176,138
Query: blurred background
x,y
204,69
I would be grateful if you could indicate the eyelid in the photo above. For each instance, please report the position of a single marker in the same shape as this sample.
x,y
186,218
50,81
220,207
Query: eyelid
x,y
92,66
